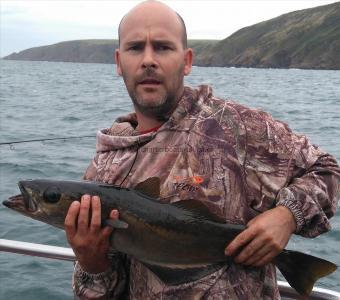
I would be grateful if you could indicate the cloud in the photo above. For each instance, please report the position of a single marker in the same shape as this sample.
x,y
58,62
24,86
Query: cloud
x,y
27,24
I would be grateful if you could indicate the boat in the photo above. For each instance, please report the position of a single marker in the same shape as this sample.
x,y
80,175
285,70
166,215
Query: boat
x,y
64,253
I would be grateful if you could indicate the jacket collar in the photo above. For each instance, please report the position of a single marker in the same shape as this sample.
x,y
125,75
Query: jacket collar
x,y
123,134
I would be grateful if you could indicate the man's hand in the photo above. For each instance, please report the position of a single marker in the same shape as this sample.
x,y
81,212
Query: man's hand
x,y
265,237
88,240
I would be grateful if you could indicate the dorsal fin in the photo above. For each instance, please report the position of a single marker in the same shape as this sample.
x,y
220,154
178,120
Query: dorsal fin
x,y
198,209
150,187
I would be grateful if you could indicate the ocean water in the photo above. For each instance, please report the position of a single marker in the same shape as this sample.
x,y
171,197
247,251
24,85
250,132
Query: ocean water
x,y
47,100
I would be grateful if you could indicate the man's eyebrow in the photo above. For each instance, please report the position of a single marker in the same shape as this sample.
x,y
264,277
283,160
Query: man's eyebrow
x,y
154,42
134,42
163,42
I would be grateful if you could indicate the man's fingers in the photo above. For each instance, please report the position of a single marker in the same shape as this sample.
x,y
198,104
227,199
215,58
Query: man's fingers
x,y
257,256
241,240
114,214
266,259
83,218
249,251
96,214
71,219
107,230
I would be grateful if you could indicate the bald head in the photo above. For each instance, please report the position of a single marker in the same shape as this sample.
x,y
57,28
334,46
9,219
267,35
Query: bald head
x,y
147,10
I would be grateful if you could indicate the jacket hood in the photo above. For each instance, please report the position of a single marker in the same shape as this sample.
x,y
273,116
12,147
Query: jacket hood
x,y
123,133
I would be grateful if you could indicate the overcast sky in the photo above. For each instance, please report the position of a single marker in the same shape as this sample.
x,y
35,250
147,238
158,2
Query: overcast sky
x,y
26,24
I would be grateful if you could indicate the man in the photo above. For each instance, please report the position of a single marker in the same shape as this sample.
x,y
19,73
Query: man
x,y
246,167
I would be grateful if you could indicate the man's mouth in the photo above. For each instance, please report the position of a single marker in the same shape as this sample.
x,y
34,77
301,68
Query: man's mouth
x,y
150,81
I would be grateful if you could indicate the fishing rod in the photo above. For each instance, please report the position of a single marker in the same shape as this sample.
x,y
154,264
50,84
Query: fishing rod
x,y
45,139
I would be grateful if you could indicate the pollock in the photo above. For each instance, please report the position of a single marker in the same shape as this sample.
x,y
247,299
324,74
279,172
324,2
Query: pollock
x,y
180,242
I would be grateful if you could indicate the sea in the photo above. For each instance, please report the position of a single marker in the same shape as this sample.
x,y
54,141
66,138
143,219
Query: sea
x,y
58,100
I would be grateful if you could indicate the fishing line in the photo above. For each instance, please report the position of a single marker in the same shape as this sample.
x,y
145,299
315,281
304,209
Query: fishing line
x,y
46,139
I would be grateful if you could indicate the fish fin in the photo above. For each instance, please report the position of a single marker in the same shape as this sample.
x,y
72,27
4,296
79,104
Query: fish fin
x,y
302,270
198,209
150,187
175,276
118,224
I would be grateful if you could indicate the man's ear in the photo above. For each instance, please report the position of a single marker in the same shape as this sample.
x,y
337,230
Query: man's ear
x,y
188,56
117,59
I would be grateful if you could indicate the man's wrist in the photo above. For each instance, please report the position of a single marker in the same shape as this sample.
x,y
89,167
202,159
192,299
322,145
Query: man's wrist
x,y
98,266
289,217
96,273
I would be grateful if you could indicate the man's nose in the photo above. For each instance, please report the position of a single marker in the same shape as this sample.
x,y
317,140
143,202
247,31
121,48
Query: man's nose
x,y
149,58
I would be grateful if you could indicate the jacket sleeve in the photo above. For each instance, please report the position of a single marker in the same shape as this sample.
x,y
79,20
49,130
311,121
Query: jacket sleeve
x,y
286,167
311,195
111,284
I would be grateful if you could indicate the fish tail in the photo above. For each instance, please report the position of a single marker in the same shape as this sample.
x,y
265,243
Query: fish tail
x,y
302,270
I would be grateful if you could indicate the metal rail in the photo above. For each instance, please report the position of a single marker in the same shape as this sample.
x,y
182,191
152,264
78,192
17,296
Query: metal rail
x,y
40,250
63,253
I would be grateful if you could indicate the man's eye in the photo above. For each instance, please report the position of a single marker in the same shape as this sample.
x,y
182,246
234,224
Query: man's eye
x,y
163,48
134,48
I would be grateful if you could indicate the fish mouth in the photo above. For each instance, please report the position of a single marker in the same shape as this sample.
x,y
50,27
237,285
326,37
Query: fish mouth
x,y
22,202
15,202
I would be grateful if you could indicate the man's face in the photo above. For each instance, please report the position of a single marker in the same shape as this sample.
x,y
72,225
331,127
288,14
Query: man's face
x,y
152,60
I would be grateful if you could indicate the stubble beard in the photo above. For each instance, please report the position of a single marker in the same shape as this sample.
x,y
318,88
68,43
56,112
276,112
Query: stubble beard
x,y
159,109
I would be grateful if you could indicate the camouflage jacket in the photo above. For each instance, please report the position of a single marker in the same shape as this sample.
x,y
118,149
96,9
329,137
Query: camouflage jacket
x,y
236,160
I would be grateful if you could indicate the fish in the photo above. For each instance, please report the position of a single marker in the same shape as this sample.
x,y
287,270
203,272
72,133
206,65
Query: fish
x,y
179,242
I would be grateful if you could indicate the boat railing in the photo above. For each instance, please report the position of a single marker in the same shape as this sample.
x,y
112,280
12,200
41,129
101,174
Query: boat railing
x,y
63,253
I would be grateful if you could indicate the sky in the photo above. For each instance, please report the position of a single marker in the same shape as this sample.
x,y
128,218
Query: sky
x,y
26,24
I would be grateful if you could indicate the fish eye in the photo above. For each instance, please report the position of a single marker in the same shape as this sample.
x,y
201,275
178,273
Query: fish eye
x,y
52,195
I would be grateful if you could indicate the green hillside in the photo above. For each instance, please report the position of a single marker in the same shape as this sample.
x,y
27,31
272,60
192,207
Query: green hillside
x,y
83,51
308,38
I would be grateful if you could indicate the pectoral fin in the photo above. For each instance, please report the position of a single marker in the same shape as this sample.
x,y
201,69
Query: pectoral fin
x,y
175,276
118,224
